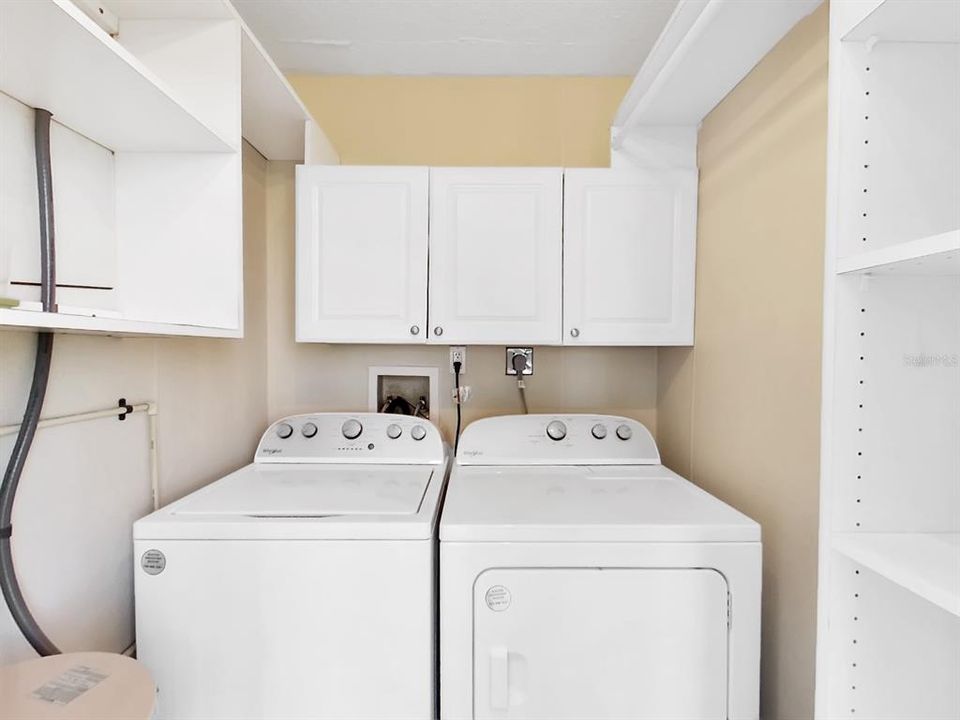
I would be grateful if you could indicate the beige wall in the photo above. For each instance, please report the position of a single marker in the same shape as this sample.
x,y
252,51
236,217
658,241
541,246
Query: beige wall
x,y
212,404
372,120
739,413
449,121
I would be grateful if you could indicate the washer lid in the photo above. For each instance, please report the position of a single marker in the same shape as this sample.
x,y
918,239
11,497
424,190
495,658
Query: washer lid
x,y
305,501
586,504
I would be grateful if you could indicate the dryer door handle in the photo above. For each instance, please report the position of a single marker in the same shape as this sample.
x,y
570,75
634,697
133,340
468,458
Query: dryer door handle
x,y
499,678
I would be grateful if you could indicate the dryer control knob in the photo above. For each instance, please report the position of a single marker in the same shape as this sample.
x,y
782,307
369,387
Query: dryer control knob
x,y
624,432
394,431
309,430
418,432
351,429
284,430
599,431
556,430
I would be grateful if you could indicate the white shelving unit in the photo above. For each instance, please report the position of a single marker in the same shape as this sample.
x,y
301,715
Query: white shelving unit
x,y
889,606
148,126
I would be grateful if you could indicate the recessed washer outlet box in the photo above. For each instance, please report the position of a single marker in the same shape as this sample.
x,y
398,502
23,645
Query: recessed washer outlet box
x,y
404,390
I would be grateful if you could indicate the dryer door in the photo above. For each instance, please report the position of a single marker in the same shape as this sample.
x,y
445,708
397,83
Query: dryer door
x,y
574,643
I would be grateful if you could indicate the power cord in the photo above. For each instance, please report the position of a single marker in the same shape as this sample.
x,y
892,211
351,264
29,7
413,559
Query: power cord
x,y
519,362
456,380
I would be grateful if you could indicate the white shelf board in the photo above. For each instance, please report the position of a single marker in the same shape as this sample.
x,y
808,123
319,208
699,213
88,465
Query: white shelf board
x,y
936,255
55,57
730,38
16,319
911,21
926,564
273,116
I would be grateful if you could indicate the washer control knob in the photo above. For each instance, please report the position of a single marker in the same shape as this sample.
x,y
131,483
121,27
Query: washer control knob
x,y
309,430
599,431
418,432
351,429
394,431
556,430
284,430
624,432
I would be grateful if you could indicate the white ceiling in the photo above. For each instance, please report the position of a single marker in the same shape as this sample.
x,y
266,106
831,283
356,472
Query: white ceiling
x,y
458,37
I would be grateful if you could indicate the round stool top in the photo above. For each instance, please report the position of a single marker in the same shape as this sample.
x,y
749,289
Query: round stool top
x,y
77,686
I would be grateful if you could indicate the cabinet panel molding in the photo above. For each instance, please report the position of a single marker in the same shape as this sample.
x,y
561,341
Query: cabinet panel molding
x,y
361,254
629,256
495,255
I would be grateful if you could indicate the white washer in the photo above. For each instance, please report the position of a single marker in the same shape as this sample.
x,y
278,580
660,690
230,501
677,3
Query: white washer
x,y
580,578
302,585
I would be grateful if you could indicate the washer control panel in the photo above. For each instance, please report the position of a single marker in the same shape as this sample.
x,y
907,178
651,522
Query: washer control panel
x,y
557,440
355,437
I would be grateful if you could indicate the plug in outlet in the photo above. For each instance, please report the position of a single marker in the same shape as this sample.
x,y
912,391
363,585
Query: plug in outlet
x,y
526,354
458,353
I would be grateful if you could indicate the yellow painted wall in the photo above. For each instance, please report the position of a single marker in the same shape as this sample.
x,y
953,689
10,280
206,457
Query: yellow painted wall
x,y
740,412
390,120
450,121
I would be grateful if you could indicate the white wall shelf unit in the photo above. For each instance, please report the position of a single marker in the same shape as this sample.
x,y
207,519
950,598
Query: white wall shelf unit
x,y
56,58
149,120
889,586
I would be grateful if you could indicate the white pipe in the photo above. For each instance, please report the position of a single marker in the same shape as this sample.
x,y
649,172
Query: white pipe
x,y
154,467
148,407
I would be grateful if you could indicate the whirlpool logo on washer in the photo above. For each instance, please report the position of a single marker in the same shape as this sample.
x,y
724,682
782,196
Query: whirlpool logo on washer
x,y
497,598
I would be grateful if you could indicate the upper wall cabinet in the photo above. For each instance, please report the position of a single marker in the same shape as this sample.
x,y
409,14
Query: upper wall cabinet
x,y
513,258
362,254
629,246
495,255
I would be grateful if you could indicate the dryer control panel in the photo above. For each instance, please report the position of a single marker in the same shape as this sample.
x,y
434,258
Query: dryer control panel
x,y
351,438
557,440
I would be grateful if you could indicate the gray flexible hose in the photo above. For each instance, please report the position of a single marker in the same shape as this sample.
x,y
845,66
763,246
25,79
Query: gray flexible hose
x,y
48,257
38,390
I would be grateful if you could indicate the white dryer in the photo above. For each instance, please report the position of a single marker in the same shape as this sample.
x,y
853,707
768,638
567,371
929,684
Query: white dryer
x,y
304,584
580,578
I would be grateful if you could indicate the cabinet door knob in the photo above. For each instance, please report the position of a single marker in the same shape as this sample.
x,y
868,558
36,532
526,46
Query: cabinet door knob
x,y
438,331
414,329
574,332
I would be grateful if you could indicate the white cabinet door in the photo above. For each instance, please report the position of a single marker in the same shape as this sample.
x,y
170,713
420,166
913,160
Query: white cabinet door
x,y
629,256
495,255
613,643
362,254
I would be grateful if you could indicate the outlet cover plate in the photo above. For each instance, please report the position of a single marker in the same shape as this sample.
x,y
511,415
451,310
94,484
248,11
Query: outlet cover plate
x,y
458,352
527,353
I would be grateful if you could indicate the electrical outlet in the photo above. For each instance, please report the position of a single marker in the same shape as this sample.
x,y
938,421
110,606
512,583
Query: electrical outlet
x,y
458,353
526,353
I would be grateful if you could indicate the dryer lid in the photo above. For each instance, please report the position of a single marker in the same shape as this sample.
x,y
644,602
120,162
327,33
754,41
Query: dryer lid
x,y
586,504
